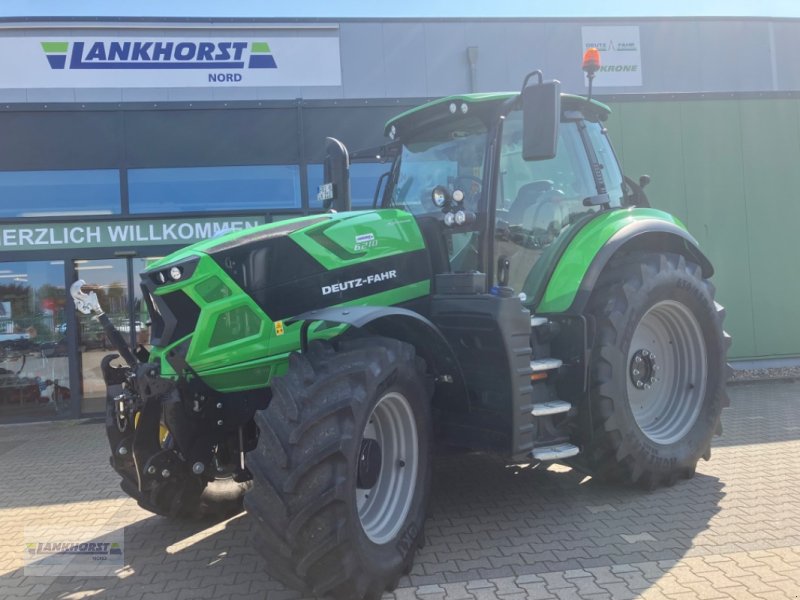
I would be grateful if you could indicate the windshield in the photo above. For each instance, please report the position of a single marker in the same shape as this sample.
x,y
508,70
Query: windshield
x,y
450,155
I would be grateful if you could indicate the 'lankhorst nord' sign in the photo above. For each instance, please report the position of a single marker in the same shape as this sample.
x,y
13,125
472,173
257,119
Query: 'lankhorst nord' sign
x,y
123,61
118,234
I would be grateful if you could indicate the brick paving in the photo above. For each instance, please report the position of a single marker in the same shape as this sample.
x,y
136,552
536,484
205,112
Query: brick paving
x,y
494,532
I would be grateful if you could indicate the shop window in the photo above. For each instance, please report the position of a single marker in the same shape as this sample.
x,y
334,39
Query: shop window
x,y
363,179
59,193
201,189
34,369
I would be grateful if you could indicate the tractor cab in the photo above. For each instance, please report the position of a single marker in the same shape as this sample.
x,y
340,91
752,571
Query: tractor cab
x,y
505,179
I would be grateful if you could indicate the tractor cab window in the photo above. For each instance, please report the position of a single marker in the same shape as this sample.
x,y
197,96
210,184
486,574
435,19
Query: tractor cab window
x,y
537,204
449,155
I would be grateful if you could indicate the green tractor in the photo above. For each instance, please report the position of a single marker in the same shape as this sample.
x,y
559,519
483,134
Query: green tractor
x,y
510,292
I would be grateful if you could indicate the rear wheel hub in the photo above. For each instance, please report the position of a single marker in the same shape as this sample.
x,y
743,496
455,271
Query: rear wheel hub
x,y
643,369
369,464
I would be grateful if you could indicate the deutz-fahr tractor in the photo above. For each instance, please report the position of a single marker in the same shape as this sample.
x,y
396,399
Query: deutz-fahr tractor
x,y
509,292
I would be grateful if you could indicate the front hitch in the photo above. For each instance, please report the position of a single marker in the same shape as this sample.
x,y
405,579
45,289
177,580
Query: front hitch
x,y
135,395
87,304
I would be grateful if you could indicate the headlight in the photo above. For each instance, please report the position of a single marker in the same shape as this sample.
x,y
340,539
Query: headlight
x,y
173,273
439,196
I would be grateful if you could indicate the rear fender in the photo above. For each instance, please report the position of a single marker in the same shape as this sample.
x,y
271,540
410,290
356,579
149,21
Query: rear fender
x,y
608,235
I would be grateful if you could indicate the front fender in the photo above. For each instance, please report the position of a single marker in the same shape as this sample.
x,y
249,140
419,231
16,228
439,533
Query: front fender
x,y
401,324
581,264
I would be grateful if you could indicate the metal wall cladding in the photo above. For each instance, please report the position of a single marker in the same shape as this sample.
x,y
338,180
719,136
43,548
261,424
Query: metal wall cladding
x,y
726,168
428,58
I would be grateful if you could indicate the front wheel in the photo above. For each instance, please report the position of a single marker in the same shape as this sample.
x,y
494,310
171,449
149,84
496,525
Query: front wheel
x,y
341,474
658,370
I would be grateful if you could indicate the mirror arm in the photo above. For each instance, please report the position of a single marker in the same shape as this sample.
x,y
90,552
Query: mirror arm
x,y
538,73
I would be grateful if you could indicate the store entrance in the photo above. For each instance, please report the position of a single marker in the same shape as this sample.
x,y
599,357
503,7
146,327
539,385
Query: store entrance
x,y
108,278
116,283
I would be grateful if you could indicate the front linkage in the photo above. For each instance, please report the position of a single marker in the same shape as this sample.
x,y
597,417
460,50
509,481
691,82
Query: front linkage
x,y
173,439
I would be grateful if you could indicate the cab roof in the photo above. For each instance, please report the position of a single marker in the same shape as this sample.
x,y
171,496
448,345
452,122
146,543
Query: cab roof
x,y
418,115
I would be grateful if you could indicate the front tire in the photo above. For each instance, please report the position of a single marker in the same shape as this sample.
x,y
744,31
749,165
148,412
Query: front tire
x,y
342,470
658,370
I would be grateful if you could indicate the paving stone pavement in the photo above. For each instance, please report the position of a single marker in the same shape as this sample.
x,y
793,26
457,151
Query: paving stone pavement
x,y
494,532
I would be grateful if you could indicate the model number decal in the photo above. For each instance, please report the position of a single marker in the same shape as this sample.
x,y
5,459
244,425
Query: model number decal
x,y
358,282
364,241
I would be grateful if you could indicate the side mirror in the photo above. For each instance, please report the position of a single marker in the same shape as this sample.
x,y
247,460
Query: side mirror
x,y
334,193
541,115
644,180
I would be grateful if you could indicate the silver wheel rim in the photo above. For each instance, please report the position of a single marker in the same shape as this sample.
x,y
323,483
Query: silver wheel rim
x,y
382,509
667,371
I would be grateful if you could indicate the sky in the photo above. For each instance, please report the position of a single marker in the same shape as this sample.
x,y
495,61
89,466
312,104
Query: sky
x,y
329,9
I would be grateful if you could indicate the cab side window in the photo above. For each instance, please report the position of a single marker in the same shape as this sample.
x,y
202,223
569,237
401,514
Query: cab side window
x,y
538,200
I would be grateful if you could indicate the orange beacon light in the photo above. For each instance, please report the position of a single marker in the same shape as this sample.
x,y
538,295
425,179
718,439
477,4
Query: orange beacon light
x,y
591,64
591,61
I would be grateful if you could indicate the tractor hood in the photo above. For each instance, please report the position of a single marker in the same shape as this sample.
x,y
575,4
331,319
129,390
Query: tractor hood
x,y
230,296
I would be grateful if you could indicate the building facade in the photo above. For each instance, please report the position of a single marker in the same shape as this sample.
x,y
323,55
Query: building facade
x,y
124,140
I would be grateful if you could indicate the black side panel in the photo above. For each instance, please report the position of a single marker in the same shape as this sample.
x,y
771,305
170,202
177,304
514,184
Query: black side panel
x,y
328,288
266,262
285,280
491,337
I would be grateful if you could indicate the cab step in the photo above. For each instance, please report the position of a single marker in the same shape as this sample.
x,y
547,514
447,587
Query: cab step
x,y
545,364
555,452
553,407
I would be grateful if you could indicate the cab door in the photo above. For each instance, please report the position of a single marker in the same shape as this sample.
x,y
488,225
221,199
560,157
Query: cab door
x,y
537,204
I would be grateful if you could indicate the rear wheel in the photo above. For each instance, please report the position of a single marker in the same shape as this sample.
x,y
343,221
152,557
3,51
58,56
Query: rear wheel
x,y
658,370
342,470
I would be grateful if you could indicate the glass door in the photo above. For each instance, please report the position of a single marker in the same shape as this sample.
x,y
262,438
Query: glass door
x,y
34,369
108,278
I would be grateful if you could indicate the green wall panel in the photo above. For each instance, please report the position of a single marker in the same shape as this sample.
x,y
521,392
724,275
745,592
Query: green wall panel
x,y
652,144
715,199
728,168
771,150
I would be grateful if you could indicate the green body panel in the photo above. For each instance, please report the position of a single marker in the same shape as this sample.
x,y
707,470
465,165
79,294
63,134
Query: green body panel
x,y
251,356
578,257
336,244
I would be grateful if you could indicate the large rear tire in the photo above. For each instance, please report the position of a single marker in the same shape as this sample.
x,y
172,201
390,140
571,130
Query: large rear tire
x,y
342,470
658,370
